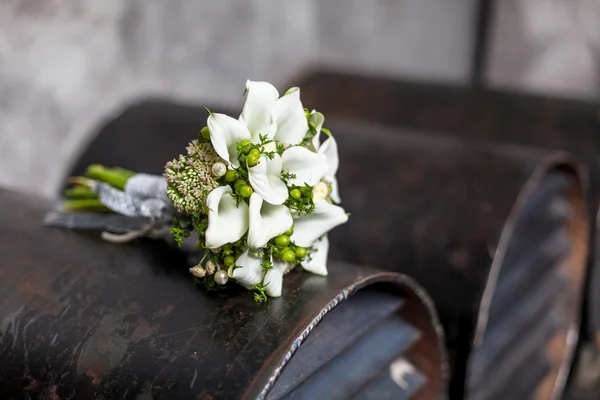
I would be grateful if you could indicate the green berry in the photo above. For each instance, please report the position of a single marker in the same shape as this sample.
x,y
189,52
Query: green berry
x,y
252,159
205,133
246,191
295,193
300,252
245,145
288,256
237,185
231,175
290,231
254,152
303,190
282,241
228,261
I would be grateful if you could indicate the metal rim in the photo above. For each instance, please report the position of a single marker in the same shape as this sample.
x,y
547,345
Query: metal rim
x,y
419,304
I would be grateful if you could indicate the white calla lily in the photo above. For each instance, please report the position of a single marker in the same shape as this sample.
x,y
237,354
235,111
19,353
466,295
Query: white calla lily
x,y
273,281
249,271
329,150
310,227
317,119
317,264
307,166
266,221
227,221
265,178
225,134
257,114
290,118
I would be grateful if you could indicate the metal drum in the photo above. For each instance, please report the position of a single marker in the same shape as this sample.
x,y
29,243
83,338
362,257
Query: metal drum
x,y
85,319
498,235
442,210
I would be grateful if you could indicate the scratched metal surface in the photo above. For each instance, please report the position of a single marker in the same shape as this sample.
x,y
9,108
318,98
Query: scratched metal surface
x,y
86,319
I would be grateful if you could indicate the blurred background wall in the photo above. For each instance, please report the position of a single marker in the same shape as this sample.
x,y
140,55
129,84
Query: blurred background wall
x,y
67,66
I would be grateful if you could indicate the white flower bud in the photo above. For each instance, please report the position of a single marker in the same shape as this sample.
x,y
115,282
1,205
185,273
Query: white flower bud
x,y
210,267
219,169
320,191
198,271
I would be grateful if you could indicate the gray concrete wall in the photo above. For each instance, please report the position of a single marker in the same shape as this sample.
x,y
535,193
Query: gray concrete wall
x,y
65,65
549,47
416,39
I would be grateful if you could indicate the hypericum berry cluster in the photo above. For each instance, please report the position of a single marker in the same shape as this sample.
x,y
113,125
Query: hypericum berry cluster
x,y
191,178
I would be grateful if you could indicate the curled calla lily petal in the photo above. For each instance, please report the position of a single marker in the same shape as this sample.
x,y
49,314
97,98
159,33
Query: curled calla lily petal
x,y
266,221
249,270
307,166
290,118
227,221
273,281
330,150
225,134
317,119
261,98
265,178
317,264
310,227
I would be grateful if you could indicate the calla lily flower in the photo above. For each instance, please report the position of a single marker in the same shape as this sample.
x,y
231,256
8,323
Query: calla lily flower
x,y
317,264
228,222
308,228
266,221
264,113
249,271
305,166
330,150
273,280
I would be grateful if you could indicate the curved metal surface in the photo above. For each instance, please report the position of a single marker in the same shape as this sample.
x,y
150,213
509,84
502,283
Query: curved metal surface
x,y
86,319
429,206
439,217
537,276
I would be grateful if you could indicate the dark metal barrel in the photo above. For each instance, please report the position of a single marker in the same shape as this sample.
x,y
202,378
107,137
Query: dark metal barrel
x,y
498,235
85,319
434,208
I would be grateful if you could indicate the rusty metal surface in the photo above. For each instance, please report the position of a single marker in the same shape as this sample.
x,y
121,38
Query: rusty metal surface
x,y
86,319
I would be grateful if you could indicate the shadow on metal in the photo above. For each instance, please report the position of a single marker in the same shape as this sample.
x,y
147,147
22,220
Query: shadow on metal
x,y
82,318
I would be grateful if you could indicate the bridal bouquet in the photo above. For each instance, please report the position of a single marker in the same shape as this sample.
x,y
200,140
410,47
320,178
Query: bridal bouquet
x,y
259,193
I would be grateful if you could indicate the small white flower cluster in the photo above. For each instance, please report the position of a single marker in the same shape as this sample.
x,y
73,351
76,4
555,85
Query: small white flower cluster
x,y
276,195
